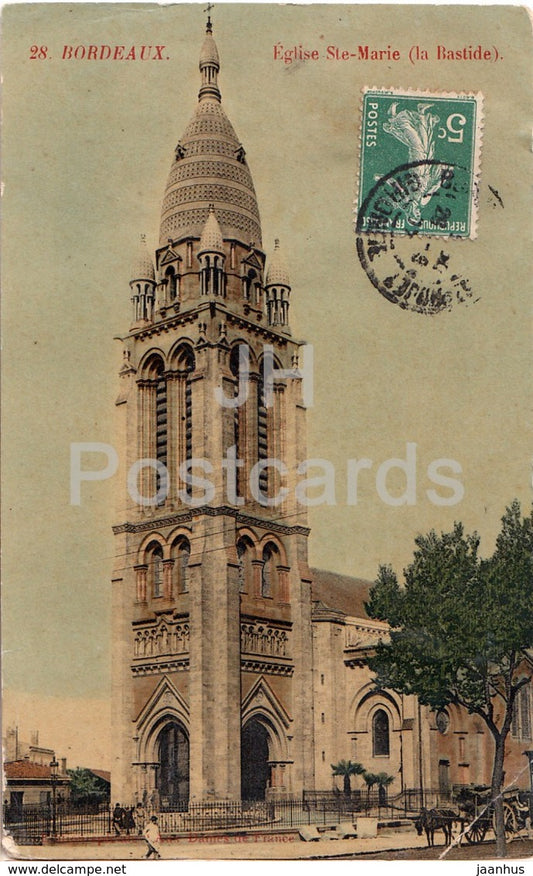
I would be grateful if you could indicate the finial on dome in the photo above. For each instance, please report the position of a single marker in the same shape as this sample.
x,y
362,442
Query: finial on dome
x,y
209,26
209,65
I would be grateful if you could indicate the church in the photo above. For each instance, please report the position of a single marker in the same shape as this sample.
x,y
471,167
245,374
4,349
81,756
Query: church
x,y
239,671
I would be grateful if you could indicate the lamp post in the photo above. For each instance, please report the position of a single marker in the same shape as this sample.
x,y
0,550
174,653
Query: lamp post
x,y
53,781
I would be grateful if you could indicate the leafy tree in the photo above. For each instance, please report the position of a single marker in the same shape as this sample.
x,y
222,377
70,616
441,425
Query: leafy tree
x,y
462,629
346,769
85,787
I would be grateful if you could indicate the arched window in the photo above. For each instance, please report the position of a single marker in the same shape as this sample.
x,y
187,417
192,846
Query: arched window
x,y
239,421
380,734
522,721
262,436
269,570
182,554
156,571
244,556
249,285
172,288
161,413
185,365
153,412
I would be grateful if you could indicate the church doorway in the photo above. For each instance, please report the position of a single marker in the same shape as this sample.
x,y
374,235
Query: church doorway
x,y
173,772
255,772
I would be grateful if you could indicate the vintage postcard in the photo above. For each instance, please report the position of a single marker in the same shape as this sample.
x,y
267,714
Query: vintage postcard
x,y
267,465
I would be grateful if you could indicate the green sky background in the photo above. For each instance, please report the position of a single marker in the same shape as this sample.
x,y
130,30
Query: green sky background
x,y
87,148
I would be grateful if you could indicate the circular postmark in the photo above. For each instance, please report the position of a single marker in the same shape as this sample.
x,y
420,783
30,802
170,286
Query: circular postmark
x,y
404,228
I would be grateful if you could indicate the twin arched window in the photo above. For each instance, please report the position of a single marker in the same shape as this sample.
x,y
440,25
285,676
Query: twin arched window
x,y
269,570
166,399
181,553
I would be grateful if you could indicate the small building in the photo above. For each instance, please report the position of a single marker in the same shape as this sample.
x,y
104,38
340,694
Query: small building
x,y
31,784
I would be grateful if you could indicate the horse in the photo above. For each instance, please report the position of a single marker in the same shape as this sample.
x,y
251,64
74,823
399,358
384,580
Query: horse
x,y
431,820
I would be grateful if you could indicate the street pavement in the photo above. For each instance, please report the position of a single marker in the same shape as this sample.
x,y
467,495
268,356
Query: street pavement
x,y
283,847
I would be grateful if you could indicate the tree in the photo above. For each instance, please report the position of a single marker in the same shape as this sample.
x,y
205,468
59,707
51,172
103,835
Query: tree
x,y
462,629
346,769
383,780
370,779
85,787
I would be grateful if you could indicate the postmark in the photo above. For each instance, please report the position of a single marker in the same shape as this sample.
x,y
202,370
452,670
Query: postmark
x,y
437,137
417,272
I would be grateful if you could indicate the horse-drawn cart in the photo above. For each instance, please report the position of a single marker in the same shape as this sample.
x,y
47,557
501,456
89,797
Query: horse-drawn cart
x,y
475,815
478,816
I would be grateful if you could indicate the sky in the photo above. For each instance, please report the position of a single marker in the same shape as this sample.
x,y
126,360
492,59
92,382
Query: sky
x,y
87,148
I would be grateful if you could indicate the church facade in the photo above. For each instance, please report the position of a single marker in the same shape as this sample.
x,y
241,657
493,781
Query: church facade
x,y
238,671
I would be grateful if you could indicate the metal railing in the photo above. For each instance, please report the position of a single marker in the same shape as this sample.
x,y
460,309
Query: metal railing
x,y
31,824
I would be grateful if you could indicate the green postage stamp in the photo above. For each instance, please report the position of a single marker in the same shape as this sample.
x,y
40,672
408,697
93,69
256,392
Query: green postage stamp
x,y
419,162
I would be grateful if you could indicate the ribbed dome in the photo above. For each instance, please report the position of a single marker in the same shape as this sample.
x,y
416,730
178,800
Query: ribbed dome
x,y
209,53
210,168
211,239
278,273
143,266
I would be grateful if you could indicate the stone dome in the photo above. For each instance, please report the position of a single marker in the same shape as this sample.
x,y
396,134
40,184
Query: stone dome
x,y
210,168
278,272
211,239
143,266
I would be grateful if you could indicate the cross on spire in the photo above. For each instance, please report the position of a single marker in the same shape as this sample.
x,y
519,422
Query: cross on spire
x,y
208,9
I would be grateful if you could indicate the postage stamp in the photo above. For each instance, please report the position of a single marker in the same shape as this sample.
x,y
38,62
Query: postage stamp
x,y
419,162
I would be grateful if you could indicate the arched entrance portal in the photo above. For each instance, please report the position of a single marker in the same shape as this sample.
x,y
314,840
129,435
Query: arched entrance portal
x,y
255,772
173,772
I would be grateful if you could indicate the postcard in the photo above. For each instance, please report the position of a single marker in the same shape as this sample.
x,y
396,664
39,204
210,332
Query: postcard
x,y
267,383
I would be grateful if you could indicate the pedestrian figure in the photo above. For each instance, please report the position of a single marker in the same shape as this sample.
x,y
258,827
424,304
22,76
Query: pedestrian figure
x,y
153,838
118,819
129,821
139,816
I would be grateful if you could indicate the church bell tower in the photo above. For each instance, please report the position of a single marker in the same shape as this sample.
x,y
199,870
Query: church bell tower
x,y
212,668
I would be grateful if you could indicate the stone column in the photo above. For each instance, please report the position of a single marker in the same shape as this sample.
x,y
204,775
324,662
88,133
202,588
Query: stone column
x,y
141,577
167,579
215,698
284,585
257,570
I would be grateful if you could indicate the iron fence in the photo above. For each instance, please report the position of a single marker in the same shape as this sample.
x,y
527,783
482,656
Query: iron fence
x,y
31,824
313,808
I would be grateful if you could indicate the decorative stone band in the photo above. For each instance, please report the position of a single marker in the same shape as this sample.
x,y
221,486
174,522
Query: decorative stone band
x,y
160,666
206,510
161,639
264,638
267,667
